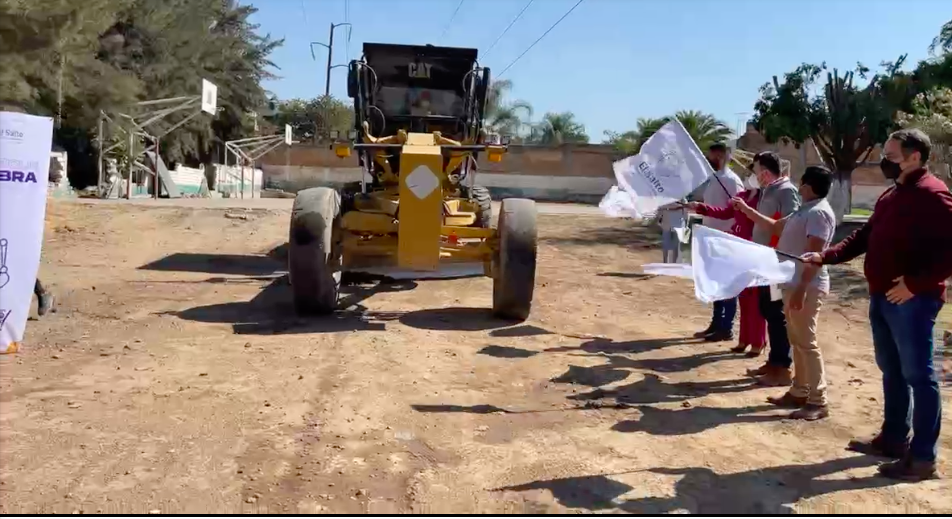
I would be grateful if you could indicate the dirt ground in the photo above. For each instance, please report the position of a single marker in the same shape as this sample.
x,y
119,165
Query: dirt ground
x,y
175,379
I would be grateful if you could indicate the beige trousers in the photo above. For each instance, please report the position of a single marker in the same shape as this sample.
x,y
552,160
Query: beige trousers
x,y
809,375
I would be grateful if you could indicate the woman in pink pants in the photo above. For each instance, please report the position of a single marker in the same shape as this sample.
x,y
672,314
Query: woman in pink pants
x,y
753,327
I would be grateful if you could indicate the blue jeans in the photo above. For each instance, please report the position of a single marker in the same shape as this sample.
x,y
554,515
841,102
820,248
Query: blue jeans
x,y
724,313
903,340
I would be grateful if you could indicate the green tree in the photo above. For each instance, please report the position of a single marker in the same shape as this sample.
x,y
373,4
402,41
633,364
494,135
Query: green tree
x,y
943,42
172,45
78,58
705,129
307,117
845,121
932,113
625,143
558,128
44,38
503,116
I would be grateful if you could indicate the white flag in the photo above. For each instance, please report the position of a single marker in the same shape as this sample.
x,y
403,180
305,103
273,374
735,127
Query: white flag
x,y
25,142
617,204
668,168
722,265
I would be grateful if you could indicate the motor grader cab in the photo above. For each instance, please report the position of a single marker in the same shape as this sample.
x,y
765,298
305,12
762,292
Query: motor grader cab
x,y
417,212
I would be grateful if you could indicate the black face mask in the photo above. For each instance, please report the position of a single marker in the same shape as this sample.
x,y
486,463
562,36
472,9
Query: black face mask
x,y
713,164
891,170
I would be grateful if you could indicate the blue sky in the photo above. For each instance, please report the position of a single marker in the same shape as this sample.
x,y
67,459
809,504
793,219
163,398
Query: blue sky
x,y
613,61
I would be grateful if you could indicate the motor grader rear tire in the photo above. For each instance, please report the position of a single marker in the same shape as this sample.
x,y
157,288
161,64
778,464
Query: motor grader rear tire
x,y
514,264
314,255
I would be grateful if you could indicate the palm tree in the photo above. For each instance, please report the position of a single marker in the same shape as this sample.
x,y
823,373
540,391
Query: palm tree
x,y
558,128
942,42
705,129
501,116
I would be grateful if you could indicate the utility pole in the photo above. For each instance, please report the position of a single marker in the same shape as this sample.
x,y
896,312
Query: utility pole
x,y
330,56
330,50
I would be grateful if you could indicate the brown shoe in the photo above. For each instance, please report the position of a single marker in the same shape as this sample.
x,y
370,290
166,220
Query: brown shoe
x,y
759,371
788,401
878,446
776,377
908,469
810,412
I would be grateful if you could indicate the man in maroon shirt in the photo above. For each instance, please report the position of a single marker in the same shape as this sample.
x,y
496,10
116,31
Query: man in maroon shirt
x,y
908,247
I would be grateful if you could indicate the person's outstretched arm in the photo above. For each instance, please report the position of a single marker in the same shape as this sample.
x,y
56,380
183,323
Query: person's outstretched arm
x,y
774,226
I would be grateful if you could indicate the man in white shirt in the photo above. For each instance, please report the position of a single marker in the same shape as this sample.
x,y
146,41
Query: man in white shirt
x,y
721,187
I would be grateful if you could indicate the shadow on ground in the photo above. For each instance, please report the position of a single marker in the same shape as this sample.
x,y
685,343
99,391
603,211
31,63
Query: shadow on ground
x,y
472,409
454,319
626,275
272,311
700,490
491,409
525,330
506,352
632,236
593,376
638,346
652,389
671,364
692,420
230,264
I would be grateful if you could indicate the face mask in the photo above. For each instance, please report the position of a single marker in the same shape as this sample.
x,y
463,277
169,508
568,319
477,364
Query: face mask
x,y
752,182
891,170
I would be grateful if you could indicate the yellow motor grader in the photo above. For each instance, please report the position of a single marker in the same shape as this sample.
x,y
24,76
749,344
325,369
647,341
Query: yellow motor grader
x,y
417,212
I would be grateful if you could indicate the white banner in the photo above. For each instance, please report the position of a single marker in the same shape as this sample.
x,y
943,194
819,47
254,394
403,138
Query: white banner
x,y
25,143
668,168
722,265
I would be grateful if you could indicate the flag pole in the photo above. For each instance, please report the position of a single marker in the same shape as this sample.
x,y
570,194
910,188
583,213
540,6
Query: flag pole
x,y
790,256
728,193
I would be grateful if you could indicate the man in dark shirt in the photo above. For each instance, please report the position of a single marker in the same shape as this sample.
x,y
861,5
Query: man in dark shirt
x,y
908,247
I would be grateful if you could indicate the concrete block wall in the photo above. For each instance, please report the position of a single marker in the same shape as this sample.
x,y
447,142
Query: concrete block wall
x,y
501,185
567,173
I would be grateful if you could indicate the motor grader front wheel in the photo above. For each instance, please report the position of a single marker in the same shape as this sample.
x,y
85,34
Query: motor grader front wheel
x,y
314,255
514,263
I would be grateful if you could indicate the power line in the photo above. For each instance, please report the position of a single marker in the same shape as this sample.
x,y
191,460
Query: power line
x,y
540,38
447,28
514,20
